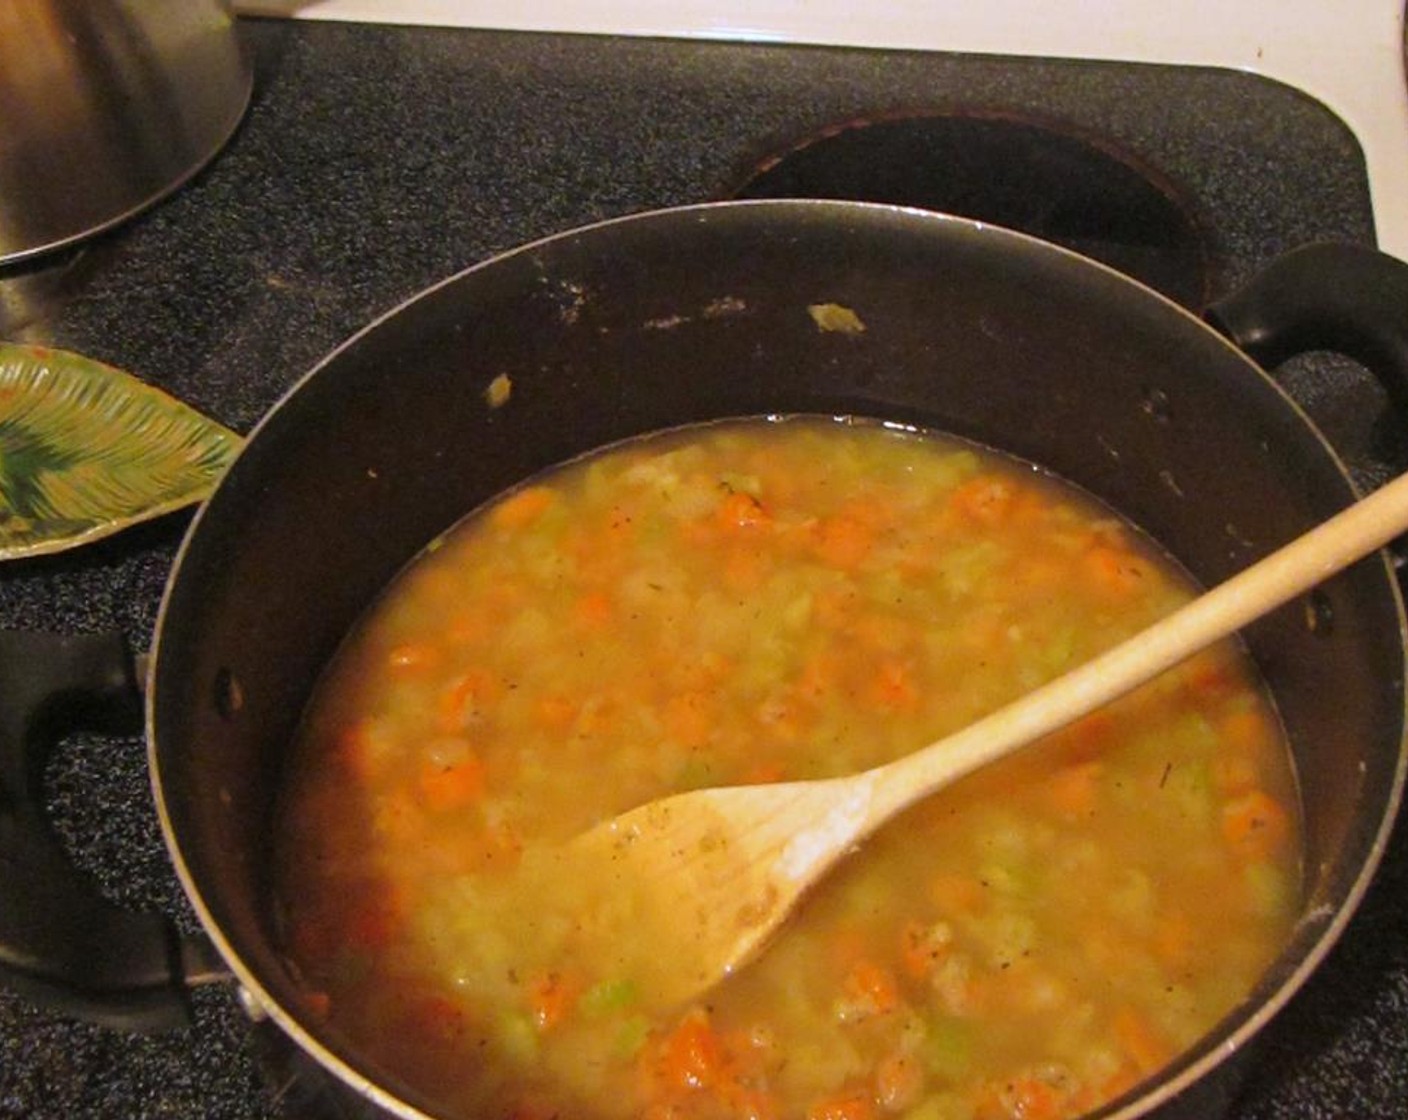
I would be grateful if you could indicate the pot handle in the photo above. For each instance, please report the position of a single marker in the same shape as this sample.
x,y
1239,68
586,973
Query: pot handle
x,y
1349,299
61,943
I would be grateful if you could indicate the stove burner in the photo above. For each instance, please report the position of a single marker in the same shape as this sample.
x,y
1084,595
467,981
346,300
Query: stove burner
x,y
1010,172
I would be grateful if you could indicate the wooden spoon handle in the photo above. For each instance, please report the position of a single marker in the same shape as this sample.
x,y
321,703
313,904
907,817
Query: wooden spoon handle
x,y
1270,583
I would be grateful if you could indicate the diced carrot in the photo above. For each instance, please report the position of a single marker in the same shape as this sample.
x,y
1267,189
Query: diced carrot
x,y
523,507
471,690
870,989
1117,570
691,1055
446,788
552,997
1255,825
843,541
1032,1098
741,510
1140,1040
1073,791
1086,739
985,499
688,718
899,1081
849,1104
594,610
957,894
893,687
922,946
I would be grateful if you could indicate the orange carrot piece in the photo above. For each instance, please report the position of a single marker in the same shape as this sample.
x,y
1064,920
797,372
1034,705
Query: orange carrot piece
x,y
522,508
446,788
956,893
594,610
1255,825
1073,791
893,687
871,988
1117,570
552,997
1032,1098
692,1054
741,510
468,691
923,945
849,1104
899,1081
688,718
844,541
986,499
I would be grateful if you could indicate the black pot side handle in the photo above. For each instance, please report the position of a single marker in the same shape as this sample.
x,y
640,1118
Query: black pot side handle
x,y
61,943
1349,299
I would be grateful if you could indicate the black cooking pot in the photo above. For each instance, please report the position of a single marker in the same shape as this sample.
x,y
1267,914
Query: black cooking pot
x,y
662,319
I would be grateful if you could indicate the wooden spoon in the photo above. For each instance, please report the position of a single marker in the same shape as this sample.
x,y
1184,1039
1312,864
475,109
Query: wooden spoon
x,y
706,877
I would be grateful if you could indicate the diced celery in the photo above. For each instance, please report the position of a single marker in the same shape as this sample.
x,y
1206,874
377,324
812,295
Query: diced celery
x,y
947,1050
1188,788
1270,890
608,996
518,1038
631,1037
742,483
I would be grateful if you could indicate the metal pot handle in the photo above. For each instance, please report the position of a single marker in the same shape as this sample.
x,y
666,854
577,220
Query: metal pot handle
x,y
61,943
1349,299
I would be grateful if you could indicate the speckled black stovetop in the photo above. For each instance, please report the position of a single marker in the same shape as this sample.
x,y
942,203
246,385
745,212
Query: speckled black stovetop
x,y
374,161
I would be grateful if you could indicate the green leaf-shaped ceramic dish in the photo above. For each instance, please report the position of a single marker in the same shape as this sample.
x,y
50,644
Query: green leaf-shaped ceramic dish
x,y
87,450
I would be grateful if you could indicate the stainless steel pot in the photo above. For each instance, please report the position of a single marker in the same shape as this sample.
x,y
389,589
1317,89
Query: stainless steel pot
x,y
106,106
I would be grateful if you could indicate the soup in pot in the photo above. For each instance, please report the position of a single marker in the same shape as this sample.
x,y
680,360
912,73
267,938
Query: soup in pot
x,y
764,600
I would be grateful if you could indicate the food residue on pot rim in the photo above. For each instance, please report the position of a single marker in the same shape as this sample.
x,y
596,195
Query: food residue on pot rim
x,y
835,317
498,391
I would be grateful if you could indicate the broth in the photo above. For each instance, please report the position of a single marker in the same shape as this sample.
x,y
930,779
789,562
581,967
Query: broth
x,y
764,600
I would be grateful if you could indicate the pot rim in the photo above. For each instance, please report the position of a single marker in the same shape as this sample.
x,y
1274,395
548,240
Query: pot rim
x,y
1238,1028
